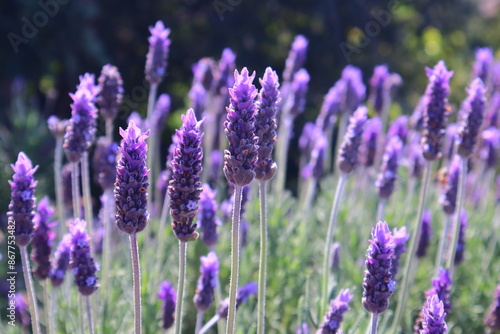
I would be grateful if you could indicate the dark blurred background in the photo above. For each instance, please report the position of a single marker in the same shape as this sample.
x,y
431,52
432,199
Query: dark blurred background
x,y
83,35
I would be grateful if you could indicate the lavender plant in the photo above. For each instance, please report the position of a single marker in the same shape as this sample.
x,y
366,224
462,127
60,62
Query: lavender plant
x,y
335,315
110,96
205,289
168,296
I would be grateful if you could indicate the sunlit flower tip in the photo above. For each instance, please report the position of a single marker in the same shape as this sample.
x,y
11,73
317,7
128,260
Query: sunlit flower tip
x,y
378,285
425,234
434,316
185,186
132,181
156,59
110,92
22,200
399,128
448,198
369,139
348,153
243,294
335,315
299,87
389,169
296,57
331,107
207,216
223,79
60,262
81,262
104,162
492,318
167,294
435,112
483,63
459,255
400,238
209,271
472,118
161,111
355,89
43,239
241,155
57,126
441,286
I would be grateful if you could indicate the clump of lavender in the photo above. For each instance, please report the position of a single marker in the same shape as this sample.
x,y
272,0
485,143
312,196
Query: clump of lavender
x,y
105,163
378,285
335,315
168,296
435,113
369,139
434,316
207,216
441,286
425,234
472,118
61,261
156,59
399,128
449,198
389,169
400,238
483,63
459,254
110,92
185,186
348,153
43,239
81,262
296,57
355,90
244,293
209,270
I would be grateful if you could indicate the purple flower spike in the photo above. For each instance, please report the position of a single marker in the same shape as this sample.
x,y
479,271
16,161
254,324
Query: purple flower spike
x,y
441,287
156,59
265,124
459,255
368,148
105,163
299,88
207,217
449,198
138,120
296,57
131,185
399,128
335,257
492,318
216,159
61,261
110,92
378,88
489,148
348,153
306,139
417,117
400,238
425,234
389,169
434,315
168,296
161,111
244,292
335,315
378,284
197,99
450,140
203,72
493,110
483,64
43,239
435,113
22,200
185,186
355,89
57,126
66,185
472,118
81,262
226,66
82,125
416,160
315,166
331,107
241,156
209,270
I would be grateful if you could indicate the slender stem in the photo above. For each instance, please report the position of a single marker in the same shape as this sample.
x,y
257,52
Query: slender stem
x,y
163,220
310,191
46,306
261,322
415,236
58,158
108,204
87,197
109,129
328,243
75,182
235,259
89,313
209,324
221,326
442,243
199,321
458,212
52,316
134,249
381,209
31,290
282,155
151,143
180,286
374,323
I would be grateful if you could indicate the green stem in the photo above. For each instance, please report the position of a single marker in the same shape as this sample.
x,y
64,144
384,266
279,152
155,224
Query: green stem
x,y
108,203
374,323
31,290
442,243
58,158
199,321
134,250
221,326
381,209
46,306
328,244
415,236
109,129
209,324
261,322
89,314
180,286
75,190
52,316
282,155
87,198
235,257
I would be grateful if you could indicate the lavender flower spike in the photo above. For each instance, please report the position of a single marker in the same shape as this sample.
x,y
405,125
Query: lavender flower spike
x,y
110,92
348,153
299,88
368,148
399,128
335,315
244,292
449,198
156,59
83,265
22,201
378,284
355,90
331,107
436,110
400,238
379,87
483,64
489,148
241,156
265,124
389,169
441,286
132,181
104,162
42,239
296,57
425,234
207,216
474,107
161,111
459,255
206,283
61,261
168,296
185,186
226,65
434,315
